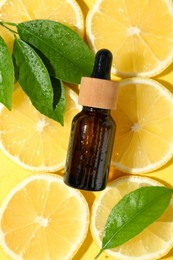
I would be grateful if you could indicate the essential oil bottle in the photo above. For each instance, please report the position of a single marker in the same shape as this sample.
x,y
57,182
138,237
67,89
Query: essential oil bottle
x,y
93,129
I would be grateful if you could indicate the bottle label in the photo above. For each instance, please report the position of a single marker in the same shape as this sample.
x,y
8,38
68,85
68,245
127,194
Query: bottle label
x,y
98,93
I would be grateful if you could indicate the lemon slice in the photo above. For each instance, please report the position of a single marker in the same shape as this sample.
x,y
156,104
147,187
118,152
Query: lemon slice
x,y
152,243
65,11
38,220
31,139
144,118
138,33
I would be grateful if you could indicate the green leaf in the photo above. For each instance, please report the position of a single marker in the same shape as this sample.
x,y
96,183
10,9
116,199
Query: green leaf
x,y
6,75
59,102
64,53
133,213
34,79
31,74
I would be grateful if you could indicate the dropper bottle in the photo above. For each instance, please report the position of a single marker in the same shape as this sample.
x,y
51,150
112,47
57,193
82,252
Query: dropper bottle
x,y
93,129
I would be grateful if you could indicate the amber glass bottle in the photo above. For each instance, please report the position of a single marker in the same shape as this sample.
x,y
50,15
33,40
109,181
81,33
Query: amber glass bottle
x,y
93,129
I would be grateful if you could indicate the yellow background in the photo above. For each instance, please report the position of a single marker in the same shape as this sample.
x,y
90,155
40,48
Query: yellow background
x,y
11,174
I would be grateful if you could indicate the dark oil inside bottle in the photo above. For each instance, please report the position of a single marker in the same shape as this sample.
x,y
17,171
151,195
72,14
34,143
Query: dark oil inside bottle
x,y
91,143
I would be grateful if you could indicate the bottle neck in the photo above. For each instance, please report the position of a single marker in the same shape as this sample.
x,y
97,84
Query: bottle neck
x,y
96,110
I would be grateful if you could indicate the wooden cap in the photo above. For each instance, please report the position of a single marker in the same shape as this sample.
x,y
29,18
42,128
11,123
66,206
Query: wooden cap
x,y
99,93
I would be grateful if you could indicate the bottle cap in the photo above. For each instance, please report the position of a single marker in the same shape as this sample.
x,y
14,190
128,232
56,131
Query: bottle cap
x,y
98,90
